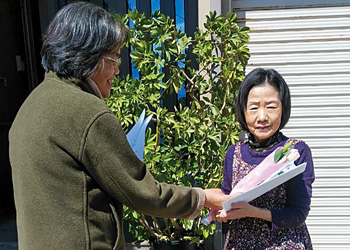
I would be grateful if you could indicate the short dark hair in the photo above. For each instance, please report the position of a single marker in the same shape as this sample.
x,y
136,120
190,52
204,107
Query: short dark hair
x,y
260,76
78,36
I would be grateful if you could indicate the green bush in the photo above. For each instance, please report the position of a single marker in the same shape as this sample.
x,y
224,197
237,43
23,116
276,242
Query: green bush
x,y
187,145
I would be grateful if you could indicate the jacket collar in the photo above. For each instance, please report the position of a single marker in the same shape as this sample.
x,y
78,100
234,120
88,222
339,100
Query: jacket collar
x,y
81,84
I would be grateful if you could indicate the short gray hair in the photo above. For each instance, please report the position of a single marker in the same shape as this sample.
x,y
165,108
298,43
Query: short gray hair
x,y
78,36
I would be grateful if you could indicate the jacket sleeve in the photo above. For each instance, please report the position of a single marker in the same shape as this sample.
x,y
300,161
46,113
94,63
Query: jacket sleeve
x,y
106,154
299,192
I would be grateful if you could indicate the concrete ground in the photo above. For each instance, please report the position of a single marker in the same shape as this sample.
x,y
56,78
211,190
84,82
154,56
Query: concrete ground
x,y
8,234
145,245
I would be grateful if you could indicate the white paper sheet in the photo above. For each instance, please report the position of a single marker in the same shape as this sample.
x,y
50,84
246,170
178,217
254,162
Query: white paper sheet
x,y
136,136
265,186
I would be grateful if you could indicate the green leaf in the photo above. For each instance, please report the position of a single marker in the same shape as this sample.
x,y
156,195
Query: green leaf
x,y
215,110
286,146
282,152
278,155
135,214
205,233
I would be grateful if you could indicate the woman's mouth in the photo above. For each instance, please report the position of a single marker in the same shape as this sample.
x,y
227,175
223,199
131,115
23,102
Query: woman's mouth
x,y
263,128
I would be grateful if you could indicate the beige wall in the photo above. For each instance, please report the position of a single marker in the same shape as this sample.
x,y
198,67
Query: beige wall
x,y
204,6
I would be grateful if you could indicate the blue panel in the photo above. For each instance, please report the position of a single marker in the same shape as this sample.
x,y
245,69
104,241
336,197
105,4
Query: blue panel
x,y
180,14
180,24
131,4
155,5
134,71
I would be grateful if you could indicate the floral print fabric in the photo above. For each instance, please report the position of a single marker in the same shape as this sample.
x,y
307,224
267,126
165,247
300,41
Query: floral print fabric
x,y
254,233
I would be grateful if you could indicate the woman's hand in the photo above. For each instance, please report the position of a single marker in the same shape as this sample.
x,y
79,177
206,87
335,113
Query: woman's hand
x,y
214,198
241,210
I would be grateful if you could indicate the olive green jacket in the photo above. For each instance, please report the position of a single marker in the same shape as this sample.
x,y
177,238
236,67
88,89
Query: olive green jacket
x,y
73,169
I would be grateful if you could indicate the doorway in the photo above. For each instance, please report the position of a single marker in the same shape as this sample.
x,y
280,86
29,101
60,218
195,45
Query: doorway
x,y
14,88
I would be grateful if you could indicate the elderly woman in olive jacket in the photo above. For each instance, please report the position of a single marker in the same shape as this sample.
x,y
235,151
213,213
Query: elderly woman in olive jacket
x,y
73,168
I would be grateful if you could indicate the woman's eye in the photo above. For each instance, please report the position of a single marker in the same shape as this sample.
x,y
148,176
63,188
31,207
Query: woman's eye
x,y
271,107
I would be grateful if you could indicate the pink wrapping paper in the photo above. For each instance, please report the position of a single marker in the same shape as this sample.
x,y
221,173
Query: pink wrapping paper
x,y
260,173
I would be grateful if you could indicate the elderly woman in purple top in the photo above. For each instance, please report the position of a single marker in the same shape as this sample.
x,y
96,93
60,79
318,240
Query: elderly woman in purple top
x,y
275,220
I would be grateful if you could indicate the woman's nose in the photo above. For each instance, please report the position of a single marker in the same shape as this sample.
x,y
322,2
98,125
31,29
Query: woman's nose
x,y
262,115
117,71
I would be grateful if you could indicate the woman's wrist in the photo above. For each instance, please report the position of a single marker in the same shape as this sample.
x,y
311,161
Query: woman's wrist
x,y
262,213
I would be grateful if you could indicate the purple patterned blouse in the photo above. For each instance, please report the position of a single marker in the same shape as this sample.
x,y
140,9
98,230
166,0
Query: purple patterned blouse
x,y
289,203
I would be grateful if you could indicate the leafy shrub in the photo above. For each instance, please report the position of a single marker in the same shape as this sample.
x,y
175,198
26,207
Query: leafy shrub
x,y
188,142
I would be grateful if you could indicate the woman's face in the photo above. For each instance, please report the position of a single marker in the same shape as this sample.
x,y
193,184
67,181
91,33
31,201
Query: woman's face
x,y
264,111
106,72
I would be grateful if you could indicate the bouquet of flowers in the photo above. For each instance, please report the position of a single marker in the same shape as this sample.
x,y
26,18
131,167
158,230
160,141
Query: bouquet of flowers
x,y
275,169
276,163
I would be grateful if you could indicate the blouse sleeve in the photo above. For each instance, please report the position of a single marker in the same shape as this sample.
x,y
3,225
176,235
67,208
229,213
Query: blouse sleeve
x,y
226,186
299,192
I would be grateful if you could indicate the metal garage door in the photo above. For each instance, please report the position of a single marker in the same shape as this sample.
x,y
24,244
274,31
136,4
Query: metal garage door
x,y
309,44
